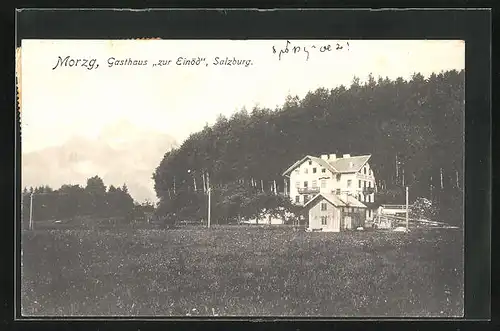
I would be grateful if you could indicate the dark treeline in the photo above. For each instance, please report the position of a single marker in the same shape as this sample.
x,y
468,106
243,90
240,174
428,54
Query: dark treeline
x,y
69,201
413,130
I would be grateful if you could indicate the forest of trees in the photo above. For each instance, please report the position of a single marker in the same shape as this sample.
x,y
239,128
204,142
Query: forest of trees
x,y
413,130
70,201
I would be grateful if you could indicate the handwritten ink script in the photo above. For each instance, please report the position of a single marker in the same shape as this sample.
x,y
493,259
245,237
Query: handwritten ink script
x,y
112,62
326,47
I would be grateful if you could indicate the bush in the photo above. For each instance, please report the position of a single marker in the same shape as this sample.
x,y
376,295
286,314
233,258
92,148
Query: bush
x,y
423,209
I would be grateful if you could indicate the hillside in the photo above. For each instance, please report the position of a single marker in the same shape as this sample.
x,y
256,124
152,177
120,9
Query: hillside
x,y
413,129
122,153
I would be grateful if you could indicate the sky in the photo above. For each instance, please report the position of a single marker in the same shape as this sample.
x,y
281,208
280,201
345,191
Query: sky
x,y
66,102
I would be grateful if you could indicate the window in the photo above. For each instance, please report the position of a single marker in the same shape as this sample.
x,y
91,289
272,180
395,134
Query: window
x,y
352,210
314,170
323,206
369,213
359,197
338,191
359,183
306,170
370,172
297,198
338,177
323,183
297,184
323,220
369,198
365,183
305,184
349,182
297,171
369,184
314,184
306,198
364,170
310,162
323,170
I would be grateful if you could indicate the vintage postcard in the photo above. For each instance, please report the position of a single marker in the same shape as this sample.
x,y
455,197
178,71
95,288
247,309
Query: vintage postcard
x,y
236,178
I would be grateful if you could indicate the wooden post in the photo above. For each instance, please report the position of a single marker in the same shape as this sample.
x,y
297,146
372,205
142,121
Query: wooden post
x,y
407,209
194,182
458,184
31,211
275,188
262,185
174,185
441,173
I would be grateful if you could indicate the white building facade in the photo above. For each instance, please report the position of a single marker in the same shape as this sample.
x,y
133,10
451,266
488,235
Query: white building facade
x,y
331,174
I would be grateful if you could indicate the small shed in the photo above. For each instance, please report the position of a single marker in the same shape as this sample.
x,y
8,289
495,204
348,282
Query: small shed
x,y
333,213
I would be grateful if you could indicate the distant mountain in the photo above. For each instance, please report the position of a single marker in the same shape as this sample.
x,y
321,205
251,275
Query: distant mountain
x,y
122,153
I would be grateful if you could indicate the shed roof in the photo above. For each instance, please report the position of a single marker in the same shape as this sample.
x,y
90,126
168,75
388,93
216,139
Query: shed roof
x,y
338,200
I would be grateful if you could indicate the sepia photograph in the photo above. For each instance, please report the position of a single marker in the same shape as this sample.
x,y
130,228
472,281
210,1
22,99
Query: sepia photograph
x,y
235,178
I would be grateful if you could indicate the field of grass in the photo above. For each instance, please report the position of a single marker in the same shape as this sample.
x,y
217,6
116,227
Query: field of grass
x,y
242,271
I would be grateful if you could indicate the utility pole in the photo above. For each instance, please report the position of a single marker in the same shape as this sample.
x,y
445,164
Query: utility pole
x,y
407,209
31,211
209,198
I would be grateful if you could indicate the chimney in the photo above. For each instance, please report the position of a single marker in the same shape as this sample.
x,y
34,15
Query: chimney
x,y
324,157
346,155
332,157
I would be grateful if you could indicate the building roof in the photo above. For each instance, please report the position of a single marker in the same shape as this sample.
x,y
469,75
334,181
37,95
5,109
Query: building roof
x,y
338,200
350,164
339,165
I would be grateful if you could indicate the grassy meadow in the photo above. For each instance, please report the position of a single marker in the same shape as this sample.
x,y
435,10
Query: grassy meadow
x,y
242,271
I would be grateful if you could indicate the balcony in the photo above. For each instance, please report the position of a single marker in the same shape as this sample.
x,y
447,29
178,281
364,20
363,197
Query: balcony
x,y
368,190
308,190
